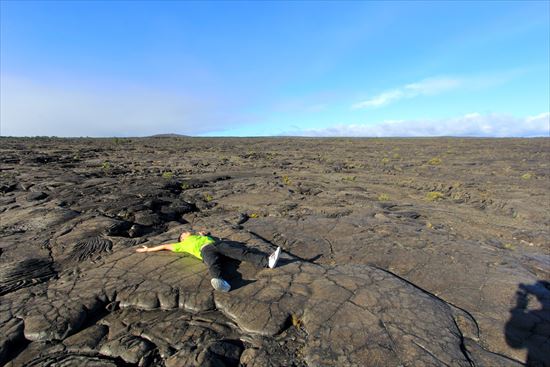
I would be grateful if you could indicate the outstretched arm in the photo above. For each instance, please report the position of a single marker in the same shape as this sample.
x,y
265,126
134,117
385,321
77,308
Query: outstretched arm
x,y
143,248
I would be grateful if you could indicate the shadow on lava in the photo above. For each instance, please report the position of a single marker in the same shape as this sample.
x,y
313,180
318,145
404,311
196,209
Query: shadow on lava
x,y
529,326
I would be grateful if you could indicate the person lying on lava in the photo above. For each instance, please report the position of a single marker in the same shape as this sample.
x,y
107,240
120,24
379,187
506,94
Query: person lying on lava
x,y
212,252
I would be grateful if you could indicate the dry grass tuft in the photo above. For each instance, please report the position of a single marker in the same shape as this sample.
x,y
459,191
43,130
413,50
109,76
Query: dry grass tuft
x,y
527,176
434,196
296,322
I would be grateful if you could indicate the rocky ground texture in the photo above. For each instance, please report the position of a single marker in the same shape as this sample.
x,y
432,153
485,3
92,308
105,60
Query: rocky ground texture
x,y
396,252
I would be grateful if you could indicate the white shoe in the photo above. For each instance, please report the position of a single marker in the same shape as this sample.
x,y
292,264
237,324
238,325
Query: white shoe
x,y
273,258
220,285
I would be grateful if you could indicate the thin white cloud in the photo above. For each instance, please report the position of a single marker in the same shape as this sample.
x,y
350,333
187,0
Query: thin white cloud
x,y
430,86
473,124
381,99
29,108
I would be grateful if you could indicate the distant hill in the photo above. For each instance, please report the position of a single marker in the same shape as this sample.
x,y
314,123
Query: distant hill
x,y
168,136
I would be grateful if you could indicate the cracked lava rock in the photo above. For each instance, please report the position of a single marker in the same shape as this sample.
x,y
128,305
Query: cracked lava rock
x,y
390,256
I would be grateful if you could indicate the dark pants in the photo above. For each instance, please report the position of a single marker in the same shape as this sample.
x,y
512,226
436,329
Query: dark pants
x,y
213,255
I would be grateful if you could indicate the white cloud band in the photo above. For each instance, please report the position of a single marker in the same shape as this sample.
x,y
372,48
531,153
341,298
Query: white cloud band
x,y
473,124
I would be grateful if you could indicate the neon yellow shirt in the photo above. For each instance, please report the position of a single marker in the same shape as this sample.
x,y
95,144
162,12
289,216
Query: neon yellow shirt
x,y
193,245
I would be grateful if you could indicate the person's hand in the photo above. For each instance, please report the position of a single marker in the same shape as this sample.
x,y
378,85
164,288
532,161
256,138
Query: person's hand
x,y
143,248
202,233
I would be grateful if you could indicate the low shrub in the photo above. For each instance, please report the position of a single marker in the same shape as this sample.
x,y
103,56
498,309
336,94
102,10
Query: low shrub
x,y
527,176
434,196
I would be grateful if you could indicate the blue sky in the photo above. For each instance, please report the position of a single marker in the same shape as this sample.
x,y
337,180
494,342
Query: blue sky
x,y
131,68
